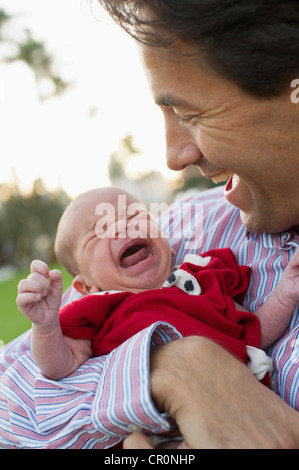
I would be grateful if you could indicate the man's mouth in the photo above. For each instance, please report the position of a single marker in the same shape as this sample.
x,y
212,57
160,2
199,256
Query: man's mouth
x,y
231,179
135,254
221,177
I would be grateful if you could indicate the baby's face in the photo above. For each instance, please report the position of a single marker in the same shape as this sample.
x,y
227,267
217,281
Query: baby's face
x,y
118,245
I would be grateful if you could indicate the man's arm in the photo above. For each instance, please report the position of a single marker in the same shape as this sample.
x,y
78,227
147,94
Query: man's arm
x,y
216,401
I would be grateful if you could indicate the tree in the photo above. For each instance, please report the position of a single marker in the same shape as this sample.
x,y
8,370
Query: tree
x,y
4,18
120,158
34,53
29,224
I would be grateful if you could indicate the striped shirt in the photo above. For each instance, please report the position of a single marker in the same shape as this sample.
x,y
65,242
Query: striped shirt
x,y
219,226
107,397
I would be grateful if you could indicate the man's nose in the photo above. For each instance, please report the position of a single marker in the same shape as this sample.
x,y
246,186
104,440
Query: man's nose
x,y
179,158
181,148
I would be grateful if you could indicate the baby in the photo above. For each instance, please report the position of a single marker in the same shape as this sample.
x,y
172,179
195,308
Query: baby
x,y
126,258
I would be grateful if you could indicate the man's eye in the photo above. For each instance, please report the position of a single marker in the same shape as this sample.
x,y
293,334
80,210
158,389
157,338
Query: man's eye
x,y
186,120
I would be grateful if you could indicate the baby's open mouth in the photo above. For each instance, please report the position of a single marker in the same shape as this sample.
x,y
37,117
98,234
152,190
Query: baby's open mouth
x,y
135,254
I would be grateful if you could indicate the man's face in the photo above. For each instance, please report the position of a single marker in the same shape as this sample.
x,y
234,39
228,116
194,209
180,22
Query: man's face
x,y
212,124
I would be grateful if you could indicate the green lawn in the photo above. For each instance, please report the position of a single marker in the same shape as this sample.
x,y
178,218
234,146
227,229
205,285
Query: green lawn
x,y
12,322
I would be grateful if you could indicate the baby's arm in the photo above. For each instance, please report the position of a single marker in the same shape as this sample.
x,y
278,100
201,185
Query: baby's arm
x,y
277,311
56,355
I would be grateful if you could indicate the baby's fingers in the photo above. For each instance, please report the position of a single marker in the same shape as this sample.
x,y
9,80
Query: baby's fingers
x,y
23,300
40,267
34,283
55,276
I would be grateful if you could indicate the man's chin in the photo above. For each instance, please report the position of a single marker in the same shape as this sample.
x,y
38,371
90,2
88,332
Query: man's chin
x,y
256,223
251,223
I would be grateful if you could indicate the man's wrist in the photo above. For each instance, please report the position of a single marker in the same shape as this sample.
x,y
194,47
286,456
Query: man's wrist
x,y
170,373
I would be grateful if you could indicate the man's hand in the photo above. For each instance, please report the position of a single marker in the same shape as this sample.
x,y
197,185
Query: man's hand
x,y
288,287
39,295
138,440
216,401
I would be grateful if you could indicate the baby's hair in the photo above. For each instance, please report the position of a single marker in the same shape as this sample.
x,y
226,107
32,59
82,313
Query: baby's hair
x,y
63,247
64,243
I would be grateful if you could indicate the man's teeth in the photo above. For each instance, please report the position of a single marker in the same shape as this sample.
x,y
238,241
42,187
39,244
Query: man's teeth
x,y
222,177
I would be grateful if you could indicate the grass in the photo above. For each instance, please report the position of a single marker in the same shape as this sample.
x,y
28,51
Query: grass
x,y
12,321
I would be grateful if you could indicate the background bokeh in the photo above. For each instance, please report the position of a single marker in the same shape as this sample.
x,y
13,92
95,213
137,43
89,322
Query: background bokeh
x,y
75,113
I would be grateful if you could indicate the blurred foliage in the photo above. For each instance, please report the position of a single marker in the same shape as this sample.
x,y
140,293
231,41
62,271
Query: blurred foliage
x,y
117,167
34,53
28,224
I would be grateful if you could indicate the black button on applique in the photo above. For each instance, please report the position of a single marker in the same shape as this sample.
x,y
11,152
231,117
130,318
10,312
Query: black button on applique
x,y
172,278
189,286
184,281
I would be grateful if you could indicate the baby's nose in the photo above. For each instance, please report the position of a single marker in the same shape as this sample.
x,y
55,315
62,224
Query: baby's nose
x,y
117,229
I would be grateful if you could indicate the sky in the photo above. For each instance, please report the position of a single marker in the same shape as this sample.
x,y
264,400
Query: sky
x,y
67,141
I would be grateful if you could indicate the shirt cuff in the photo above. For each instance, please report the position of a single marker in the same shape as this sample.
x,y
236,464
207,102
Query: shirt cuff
x,y
123,401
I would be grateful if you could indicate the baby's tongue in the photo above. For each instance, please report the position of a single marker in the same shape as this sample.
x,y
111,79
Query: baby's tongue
x,y
134,255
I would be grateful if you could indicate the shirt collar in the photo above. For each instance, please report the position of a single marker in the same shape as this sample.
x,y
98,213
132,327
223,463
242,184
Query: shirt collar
x,y
282,240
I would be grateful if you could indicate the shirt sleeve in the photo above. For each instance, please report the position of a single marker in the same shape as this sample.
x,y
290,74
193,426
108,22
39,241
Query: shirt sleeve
x,y
93,408
285,355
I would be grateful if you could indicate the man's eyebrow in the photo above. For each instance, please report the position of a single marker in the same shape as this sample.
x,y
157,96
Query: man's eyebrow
x,y
167,100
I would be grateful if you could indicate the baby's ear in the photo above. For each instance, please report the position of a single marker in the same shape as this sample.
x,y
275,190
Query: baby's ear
x,y
83,287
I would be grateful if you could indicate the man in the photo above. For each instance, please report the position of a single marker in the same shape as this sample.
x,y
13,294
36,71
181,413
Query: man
x,y
221,72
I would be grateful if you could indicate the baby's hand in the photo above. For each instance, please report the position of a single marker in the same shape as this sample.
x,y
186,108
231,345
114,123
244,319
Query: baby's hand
x,y
40,299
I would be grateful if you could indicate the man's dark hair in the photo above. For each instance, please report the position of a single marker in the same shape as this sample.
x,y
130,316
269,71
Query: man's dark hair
x,y
254,43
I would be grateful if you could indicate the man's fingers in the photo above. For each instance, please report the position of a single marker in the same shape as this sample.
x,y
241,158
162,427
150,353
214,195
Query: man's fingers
x,y
137,440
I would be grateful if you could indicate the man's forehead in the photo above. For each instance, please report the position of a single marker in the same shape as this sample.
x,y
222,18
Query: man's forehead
x,y
170,75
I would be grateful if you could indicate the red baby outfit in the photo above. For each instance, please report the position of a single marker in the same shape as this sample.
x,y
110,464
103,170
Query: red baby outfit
x,y
197,299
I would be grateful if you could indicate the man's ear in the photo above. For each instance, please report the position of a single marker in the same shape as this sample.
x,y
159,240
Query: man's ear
x,y
83,287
